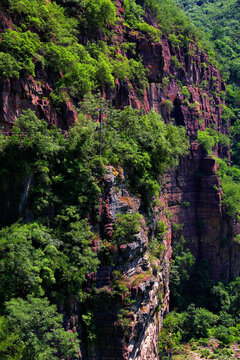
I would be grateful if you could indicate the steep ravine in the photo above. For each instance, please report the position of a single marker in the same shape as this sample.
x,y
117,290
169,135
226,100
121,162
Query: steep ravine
x,y
195,182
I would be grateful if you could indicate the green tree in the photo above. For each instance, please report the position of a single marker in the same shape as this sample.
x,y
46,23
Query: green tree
x,y
11,346
39,327
170,334
99,13
22,47
81,259
126,226
9,67
29,258
197,322
181,265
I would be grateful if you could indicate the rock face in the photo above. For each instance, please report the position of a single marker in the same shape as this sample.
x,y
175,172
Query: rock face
x,y
185,87
194,197
191,194
146,278
18,95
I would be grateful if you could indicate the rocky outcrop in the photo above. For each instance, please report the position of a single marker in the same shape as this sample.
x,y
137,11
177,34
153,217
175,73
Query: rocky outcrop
x,y
146,278
30,93
194,197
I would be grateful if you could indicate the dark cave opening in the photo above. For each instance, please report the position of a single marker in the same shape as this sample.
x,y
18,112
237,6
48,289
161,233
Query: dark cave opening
x,y
177,113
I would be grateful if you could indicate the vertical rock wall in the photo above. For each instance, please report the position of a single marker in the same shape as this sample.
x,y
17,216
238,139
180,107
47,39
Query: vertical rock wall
x,y
192,193
147,279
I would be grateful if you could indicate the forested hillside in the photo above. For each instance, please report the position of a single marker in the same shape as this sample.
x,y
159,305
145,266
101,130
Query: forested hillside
x,y
220,22
117,199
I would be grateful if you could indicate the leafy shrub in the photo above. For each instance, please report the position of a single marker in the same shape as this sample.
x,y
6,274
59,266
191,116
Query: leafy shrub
x,y
223,334
126,226
81,259
9,67
170,334
156,248
197,322
185,92
176,62
227,114
181,265
161,229
230,184
124,69
21,46
10,342
177,227
223,140
134,14
207,139
194,106
235,137
99,13
174,40
36,326
185,204
165,81
89,322
171,19
221,298
29,259
47,19
152,31
231,196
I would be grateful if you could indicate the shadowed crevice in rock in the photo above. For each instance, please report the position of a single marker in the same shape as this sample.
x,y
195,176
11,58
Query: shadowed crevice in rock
x,y
177,113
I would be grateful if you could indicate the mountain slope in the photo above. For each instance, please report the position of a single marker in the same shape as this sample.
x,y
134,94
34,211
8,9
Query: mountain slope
x,y
96,205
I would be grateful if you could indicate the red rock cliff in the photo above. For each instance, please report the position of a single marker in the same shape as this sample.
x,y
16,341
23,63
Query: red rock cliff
x,y
195,183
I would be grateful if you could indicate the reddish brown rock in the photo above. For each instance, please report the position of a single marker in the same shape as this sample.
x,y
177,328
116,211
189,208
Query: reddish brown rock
x,y
208,232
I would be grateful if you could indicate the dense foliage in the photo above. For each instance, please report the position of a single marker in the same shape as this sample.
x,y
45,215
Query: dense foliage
x,y
209,138
220,21
47,38
51,183
32,329
45,262
202,309
218,317
66,171
230,175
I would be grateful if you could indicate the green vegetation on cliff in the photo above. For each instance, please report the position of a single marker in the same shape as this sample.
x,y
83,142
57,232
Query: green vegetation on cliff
x,y
51,183
220,21
50,257
47,39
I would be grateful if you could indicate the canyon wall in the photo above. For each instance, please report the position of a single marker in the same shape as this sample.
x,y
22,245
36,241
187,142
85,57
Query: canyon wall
x,y
190,195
